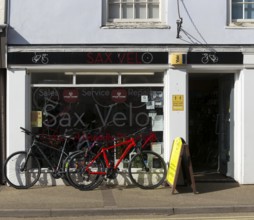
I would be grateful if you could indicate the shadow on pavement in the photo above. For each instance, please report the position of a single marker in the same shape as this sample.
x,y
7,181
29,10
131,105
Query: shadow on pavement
x,y
207,187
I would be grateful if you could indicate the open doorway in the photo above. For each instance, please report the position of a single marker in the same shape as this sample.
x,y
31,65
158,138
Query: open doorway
x,y
211,116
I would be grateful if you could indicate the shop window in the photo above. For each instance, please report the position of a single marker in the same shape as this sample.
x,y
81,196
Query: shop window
x,y
101,112
123,109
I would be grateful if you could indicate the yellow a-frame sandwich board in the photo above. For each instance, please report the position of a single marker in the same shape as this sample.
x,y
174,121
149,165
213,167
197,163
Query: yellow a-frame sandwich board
x,y
180,157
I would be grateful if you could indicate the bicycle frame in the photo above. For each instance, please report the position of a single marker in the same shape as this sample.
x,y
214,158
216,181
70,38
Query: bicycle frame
x,y
131,143
150,137
37,145
103,151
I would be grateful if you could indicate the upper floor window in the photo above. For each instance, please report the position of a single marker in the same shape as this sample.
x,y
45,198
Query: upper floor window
x,y
242,10
134,10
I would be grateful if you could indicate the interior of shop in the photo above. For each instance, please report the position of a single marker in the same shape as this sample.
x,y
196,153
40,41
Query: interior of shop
x,y
211,113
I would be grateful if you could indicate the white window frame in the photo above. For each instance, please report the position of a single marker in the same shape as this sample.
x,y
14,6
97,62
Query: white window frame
x,y
160,21
133,2
73,84
242,2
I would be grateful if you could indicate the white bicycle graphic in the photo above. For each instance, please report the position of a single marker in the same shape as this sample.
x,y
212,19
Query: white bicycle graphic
x,y
209,57
43,58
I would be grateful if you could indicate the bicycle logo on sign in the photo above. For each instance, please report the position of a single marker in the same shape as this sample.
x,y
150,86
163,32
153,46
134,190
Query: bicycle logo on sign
x,y
209,58
43,58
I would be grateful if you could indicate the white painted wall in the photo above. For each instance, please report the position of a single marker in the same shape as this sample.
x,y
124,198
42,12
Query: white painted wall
x,y
238,126
178,119
2,12
247,126
80,22
17,114
167,142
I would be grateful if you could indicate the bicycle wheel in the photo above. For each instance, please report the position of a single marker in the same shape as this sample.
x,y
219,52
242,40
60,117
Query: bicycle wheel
x,y
21,171
65,166
77,174
147,170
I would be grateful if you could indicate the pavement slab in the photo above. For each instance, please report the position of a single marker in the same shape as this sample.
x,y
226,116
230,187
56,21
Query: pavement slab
x,y
48,201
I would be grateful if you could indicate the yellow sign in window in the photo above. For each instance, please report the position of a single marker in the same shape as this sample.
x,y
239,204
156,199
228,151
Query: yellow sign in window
x,y
178,103
36,119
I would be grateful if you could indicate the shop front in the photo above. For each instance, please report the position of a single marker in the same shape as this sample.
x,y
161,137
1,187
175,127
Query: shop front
x,y
106,95
205,100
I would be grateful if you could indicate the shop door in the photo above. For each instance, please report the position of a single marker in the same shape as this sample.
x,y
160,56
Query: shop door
x,y
211,122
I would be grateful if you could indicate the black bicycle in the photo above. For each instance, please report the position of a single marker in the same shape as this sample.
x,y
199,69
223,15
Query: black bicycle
x,y
22,169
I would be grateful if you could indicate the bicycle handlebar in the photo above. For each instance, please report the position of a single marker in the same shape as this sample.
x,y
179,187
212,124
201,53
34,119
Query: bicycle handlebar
x,y
26,131
139,131
37,135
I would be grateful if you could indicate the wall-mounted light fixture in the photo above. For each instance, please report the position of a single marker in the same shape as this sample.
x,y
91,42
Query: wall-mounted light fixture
x,y
179,27
179,22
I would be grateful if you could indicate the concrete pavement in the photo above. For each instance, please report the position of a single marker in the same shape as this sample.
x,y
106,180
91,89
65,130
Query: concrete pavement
x,y
47,201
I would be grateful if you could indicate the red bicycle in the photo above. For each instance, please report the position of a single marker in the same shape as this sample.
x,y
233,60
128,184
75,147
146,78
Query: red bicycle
x,y
146,169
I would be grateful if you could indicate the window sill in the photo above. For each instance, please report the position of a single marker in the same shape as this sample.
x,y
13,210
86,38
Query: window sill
x,y
136,25
244,24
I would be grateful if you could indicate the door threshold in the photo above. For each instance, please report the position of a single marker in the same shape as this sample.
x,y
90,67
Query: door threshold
x,y
212,177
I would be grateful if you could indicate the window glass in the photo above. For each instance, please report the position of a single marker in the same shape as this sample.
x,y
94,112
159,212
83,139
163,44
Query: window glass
x,y
242,9
96,79
140,79
153,11
237,12
114,11
101,113
83,106
51,78
249,11
133,9
140,11
127,11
